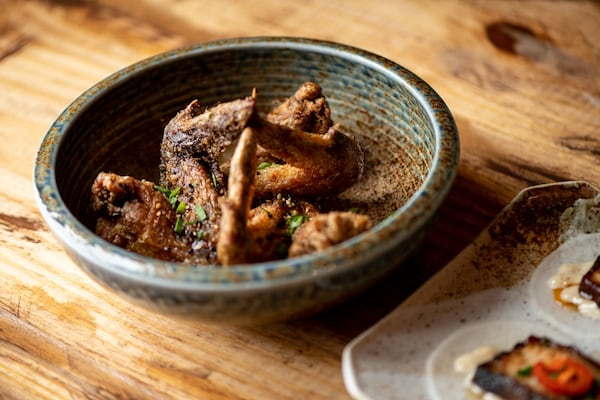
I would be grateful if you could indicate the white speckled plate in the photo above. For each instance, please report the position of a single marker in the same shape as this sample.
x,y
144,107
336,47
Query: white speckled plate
x,y
492,293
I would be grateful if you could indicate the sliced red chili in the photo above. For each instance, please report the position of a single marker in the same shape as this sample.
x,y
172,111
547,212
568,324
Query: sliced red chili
x,y
564,375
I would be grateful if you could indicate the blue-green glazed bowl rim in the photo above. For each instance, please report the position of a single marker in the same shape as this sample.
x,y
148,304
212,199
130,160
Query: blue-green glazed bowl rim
x,y
391,231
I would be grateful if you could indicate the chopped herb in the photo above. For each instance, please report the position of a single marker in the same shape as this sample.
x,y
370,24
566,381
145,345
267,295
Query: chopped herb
x,y
174,192
354,210
178,225
296,221
214,180
200,235
263,165
200,213
181,207
525,371
164,190
171,195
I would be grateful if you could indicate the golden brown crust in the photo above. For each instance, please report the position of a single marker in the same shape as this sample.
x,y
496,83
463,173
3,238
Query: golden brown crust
x,y
135,216
316,165
307,110
325,230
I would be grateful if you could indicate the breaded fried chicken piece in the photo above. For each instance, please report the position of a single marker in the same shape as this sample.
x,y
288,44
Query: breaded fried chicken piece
x,y
325,230
135,216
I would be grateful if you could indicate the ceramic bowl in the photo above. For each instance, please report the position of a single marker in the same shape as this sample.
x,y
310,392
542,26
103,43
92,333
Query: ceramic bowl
x,y
408,135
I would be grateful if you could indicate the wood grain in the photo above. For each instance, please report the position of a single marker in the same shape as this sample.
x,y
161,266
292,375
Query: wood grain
x,y
522,81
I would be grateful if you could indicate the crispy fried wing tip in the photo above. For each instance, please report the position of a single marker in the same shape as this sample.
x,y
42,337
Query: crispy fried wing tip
x,y
308,91
234,244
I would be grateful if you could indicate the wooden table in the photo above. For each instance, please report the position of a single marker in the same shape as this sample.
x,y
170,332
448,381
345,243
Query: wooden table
x,y
522,79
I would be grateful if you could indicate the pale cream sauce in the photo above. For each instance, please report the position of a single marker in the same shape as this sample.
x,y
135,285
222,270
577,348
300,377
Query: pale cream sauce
x,y
566,281
467,363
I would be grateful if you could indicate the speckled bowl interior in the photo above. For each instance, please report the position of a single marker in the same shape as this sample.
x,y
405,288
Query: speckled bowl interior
x,y
408,135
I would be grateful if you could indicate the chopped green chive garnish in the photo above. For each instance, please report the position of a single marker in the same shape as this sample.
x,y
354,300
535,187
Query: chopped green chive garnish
x,y
263,165
214,180
171,195
181,207
354,210
200,235
178,225
525,371
201,213
174,192
164,190
296,221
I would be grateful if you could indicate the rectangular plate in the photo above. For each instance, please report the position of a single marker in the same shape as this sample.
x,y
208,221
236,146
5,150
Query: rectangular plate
x,y
492,293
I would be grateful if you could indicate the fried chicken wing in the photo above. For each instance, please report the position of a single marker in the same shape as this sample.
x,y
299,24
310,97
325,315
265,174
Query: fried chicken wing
x,y
307,110
202,210
135,216
316,165
193,144
325,230
203,135
316,158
